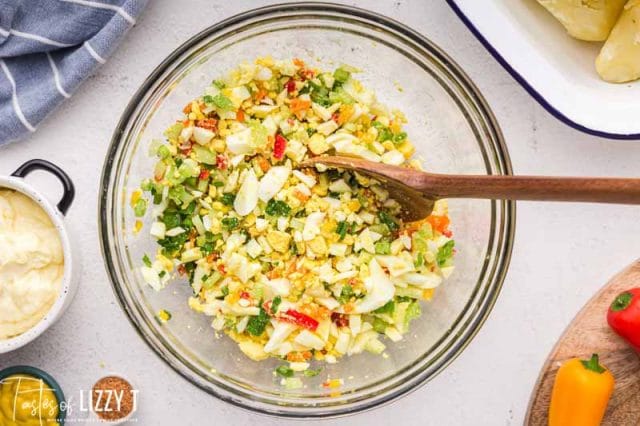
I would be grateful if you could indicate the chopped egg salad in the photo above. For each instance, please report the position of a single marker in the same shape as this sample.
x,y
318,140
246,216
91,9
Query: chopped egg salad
x,y
293,263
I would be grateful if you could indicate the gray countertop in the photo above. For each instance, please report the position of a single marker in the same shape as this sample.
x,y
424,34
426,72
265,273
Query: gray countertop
x,y
562,255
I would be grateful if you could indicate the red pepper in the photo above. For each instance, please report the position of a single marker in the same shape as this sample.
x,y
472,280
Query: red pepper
x,y
299,319
245,295
341,320
624,316
221,162
204,174
279,146
291,86
222,269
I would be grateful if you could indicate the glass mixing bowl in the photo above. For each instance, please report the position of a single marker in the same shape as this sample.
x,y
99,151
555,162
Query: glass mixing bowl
x,y
450,124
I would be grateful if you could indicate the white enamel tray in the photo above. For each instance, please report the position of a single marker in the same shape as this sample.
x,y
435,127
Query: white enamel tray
x,y
557,70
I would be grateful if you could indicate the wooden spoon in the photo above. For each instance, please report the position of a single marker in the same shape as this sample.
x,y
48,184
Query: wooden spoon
x,y
416,191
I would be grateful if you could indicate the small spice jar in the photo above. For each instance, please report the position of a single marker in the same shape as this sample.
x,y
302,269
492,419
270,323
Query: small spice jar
x,y
113,399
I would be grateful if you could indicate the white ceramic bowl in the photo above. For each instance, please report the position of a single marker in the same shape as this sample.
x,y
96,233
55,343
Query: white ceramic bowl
x,y
69,286
557,70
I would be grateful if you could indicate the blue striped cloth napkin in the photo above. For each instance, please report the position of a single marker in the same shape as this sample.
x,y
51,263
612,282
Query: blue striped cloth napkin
x,y
47,48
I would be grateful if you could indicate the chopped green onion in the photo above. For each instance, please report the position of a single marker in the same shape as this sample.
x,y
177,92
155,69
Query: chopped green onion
x,y
219,101
284,371
230,223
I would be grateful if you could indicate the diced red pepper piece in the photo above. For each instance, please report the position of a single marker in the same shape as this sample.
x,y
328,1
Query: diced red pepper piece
x,y
291,86
245,295
222,269
341,320
279,146
204,174
298,318
221,162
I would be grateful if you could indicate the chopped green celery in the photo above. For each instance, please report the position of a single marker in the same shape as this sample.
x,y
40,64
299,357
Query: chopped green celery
x,y
339,95
387,308
228,199
277,208
379,325
419,261
140,208
173,132
258,323
203,185
413,311
180,196
146,260
409,291
311,373
257,292
191,181
163,152
189,168
341,75
381,229
374,346
259,133
345,294
419,238
384,134
378,125
219,101
445,253
147,185
219,84
284,371
218,184
212,280
383,247
204,155
399,314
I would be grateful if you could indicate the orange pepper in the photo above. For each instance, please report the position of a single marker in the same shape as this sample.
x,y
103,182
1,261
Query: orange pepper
x,y
439,223
298,106
240,115
580,393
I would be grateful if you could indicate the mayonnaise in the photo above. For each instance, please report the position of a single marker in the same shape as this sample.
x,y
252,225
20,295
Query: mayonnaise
x,y
31,263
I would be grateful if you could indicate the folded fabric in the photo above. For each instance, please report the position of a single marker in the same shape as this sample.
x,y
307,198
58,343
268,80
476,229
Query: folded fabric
x,y
47,48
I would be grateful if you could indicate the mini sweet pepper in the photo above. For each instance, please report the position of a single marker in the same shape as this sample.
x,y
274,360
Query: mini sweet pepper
x,y
580,393
624,316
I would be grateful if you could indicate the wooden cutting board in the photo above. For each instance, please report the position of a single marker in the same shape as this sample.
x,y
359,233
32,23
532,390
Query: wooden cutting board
x,y
589,333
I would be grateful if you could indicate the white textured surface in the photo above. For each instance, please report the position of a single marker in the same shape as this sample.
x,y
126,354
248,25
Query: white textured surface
x,y
563,253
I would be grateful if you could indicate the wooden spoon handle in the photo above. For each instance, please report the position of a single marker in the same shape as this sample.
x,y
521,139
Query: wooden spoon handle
x,y
539,188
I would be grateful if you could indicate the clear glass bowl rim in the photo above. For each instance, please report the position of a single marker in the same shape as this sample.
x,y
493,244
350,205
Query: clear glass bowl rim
x,y
505,233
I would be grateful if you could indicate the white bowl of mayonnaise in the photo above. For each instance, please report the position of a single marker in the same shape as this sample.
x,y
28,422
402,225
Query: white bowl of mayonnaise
x,y
36,268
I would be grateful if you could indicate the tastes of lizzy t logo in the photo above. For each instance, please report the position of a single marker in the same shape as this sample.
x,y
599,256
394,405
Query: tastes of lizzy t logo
x,y
30,400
